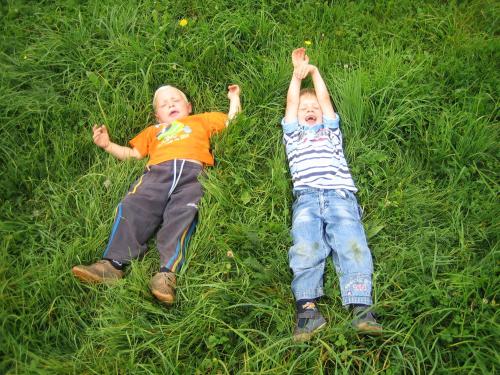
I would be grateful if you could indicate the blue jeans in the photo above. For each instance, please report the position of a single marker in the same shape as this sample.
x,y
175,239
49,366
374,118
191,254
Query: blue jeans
x,y
329,222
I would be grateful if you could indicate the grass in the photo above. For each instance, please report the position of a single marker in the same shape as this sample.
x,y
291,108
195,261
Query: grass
x,y
416,84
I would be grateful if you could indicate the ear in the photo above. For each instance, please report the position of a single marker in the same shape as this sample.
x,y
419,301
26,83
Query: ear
x,y
190,108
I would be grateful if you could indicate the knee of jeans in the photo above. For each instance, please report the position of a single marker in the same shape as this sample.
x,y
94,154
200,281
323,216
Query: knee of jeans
x,y
358,256
358,249
306,255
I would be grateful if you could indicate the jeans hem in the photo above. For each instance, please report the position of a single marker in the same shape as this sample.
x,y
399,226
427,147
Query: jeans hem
x,y
310,294
357,301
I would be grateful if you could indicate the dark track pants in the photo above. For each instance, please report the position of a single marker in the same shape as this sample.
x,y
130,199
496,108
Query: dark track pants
x,y
166,198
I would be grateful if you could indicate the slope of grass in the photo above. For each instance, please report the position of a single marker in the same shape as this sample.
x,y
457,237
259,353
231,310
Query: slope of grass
x,y
416,84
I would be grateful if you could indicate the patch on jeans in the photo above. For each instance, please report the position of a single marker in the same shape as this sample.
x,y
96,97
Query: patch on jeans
x,y
358,286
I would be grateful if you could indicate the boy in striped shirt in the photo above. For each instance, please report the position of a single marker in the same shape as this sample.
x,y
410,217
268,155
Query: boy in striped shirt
x,y
326,216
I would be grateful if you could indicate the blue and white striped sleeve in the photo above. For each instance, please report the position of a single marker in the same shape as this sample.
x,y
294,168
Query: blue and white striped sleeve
x,y
289,127
333,123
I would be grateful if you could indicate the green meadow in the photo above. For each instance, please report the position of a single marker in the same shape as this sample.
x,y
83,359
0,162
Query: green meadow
x,y
416,84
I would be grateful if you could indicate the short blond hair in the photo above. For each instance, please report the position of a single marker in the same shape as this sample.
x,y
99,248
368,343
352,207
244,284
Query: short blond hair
x,y
312,92
165,87
307,91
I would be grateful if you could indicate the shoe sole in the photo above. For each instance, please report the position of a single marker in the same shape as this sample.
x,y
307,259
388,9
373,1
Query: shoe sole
x,y
89,277
306,336
166,299
367,329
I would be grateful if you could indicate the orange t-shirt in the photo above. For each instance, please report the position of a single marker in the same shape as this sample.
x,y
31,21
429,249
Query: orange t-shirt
x,y
185,138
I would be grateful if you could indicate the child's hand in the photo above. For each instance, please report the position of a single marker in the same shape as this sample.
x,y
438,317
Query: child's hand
x,y
303,70
299,57
101,136
233,92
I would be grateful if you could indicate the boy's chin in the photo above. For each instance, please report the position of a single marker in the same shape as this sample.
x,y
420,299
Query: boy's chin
x,y
169,120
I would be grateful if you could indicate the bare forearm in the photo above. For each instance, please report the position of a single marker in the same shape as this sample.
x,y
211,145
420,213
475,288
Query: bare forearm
x,y
121,152
319,85
294,90
322,93
292,99
234,107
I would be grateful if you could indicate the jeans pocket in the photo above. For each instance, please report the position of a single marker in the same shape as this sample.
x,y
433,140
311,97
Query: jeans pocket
x,y
341,193
350,196
345,194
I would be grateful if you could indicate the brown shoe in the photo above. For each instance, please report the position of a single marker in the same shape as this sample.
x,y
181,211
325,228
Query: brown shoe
x,y
162,286
99,272
364,321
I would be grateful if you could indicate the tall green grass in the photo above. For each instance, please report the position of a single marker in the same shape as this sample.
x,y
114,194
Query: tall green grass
x,y
416,85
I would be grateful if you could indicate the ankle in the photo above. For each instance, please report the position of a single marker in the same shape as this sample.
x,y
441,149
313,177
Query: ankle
x,y
116,264
363,312
305,304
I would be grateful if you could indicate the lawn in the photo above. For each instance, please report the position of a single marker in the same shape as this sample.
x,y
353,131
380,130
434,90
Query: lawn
x,y
416,84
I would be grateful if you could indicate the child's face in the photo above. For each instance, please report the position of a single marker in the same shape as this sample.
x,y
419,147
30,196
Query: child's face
x,y
171,105
309,112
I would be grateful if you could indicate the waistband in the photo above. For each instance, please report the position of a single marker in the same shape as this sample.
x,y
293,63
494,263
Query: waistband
x,y
312,191
176,163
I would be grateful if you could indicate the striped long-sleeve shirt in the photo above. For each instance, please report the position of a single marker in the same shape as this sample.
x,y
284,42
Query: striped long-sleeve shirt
x,y
315,155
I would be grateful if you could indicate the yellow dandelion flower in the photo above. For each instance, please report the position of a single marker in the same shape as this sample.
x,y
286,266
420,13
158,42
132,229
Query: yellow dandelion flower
x,y
307,42
183,22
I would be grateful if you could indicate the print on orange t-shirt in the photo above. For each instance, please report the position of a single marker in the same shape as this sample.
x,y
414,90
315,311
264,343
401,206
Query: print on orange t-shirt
x,y
185,138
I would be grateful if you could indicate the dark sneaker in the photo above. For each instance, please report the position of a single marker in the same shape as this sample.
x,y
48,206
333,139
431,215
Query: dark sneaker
x,y
99,272
308,322
364,321
162,286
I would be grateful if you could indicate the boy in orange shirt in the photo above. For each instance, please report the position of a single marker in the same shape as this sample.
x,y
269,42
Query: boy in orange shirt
x,y
165,198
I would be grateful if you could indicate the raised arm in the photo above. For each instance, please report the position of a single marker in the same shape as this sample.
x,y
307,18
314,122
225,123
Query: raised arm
x,y
101,139
322,92
299,61
233,94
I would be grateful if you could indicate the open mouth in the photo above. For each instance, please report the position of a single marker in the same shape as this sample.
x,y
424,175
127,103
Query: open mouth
x,y
310,119
173,113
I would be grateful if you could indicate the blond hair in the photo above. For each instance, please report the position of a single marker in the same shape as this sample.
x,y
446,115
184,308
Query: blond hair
x,y
165,87
307,91
312,92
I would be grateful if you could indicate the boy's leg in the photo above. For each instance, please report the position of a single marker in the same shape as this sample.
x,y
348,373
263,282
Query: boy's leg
x,y
308,253
179,221
307,261
351,255
179,218
138,215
